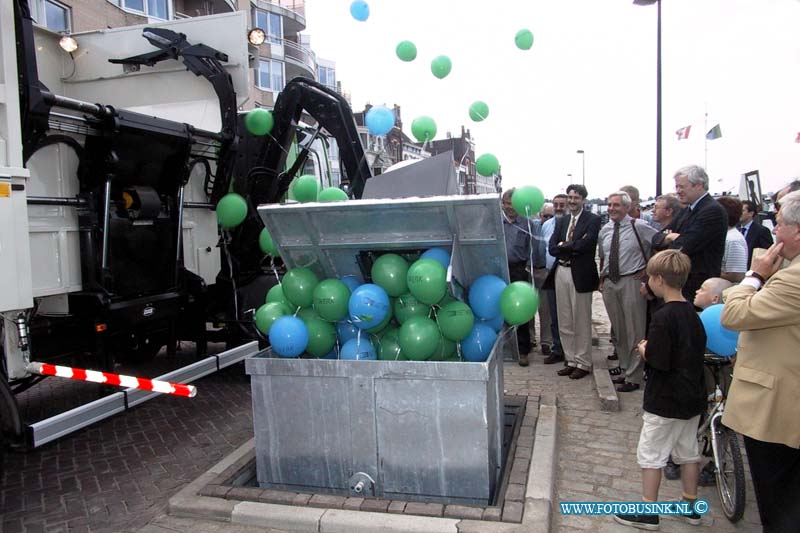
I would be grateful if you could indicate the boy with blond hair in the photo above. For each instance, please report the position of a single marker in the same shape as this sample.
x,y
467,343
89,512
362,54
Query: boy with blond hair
x,y
674,393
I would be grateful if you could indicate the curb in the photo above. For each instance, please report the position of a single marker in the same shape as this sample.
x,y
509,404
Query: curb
x,y
537,515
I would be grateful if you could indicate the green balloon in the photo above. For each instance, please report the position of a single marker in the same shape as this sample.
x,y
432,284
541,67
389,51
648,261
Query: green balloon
x,y
307,313
389,349
456,320
446,348
231,210
423,128
391,332
332,194
306,189
377,330
406,51
267,314
298,286
406,306
427,281
527,201
321,336
446,300
524,39
478,111
275,294
330,299
266,243
518,303
389,272
441,66
487,165
419,338
259,121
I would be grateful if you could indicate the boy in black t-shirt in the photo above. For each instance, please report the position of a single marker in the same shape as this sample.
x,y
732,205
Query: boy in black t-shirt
x,y
674,393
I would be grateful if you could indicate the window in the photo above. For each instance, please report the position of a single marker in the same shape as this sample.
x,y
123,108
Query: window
x,y
52,15
157,9
270,75
270,23
327,77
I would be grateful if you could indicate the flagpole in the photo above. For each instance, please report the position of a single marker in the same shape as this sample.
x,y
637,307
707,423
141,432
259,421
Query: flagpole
x,y
705,138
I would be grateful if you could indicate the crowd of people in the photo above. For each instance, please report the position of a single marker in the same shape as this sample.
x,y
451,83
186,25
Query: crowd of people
x,y
655,272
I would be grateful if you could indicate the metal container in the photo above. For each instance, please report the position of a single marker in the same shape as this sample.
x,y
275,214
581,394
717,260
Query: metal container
x,y
427,431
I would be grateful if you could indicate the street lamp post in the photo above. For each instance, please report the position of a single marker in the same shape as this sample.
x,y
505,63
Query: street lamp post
x,y
658,90
583,167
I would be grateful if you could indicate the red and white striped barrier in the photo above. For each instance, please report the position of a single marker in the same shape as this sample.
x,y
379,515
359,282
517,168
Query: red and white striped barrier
x,y
107,378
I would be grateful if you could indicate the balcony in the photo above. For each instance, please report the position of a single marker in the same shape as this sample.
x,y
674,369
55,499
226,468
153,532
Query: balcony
x,y
199,8
293,13
294,55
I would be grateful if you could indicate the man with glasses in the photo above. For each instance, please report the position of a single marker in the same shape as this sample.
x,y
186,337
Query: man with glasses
x,y
762,401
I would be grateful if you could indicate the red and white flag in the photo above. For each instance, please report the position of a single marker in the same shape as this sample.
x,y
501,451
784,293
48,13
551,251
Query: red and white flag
x,y
683,133
797,139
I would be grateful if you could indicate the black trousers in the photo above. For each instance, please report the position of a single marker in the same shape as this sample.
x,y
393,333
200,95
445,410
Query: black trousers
x,y
517,272
775,469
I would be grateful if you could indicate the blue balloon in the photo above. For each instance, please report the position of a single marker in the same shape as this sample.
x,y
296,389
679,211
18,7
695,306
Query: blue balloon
x,y
379,120
352,282
719,340
495,323
288,336
439,254
358,350
484,296
368,305
360,10
478,344
346,330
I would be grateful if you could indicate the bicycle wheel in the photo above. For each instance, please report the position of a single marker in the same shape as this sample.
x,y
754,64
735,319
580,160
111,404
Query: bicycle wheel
x,y
730,474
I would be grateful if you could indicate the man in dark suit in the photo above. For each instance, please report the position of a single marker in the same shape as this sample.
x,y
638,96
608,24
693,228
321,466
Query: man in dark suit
x,y
700,228
756,235
574,277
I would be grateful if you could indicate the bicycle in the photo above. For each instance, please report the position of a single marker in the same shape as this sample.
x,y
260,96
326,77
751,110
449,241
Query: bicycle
x,y
721,443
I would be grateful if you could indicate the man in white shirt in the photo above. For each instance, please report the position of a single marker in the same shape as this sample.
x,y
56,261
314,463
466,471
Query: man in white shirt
x,y
734,260
556,352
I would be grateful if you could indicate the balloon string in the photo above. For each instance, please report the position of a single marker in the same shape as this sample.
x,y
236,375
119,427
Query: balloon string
x,y
531,241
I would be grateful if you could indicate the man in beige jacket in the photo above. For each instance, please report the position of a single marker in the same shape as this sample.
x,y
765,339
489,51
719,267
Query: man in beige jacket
x,y
764,397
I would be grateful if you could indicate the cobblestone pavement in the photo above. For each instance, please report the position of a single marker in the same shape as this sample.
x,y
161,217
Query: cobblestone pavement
x,y
118,475
597,450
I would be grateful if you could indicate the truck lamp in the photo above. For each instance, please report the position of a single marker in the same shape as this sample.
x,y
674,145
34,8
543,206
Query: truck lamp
x,y
68,43
256,36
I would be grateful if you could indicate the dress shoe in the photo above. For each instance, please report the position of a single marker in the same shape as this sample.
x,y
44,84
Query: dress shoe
x,y
619,380
566,371
553,359
523,360
627,387
545,349
578,373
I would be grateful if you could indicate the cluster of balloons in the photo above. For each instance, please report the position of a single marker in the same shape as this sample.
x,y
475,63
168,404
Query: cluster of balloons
x,y
406,313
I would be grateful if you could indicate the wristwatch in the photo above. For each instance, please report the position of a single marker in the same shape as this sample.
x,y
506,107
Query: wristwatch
x,y
754,274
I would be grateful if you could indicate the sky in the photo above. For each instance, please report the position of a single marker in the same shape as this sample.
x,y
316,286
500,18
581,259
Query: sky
x,y
588,83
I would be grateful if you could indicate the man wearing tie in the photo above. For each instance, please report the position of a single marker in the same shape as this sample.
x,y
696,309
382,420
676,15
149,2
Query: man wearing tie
x,y
574,276
756,235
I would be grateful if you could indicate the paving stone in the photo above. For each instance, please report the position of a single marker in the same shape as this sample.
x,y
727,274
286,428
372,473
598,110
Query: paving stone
x,y
512,511
492,514
244,493
424,509
515,492
301,499
463,511
397,507
352,504
375,505
328,501
276,496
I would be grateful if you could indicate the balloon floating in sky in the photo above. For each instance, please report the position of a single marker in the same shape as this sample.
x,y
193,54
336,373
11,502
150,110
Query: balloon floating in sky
x,y
379,120
306,189
423,128
259,121
406,51
524,39
360,10
478,111
527,201
441,66
231,210
487,165
332,194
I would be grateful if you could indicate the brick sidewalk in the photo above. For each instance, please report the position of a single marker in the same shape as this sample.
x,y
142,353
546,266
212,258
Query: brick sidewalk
x,y
597,449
